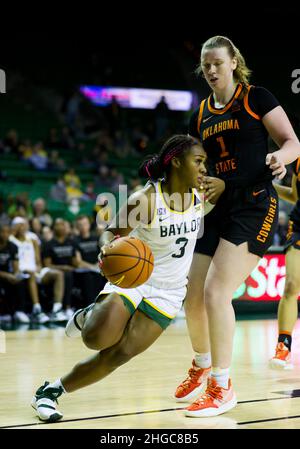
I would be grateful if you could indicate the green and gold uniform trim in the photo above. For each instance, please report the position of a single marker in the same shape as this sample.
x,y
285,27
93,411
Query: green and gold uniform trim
x,y
128,303
161,318
126,299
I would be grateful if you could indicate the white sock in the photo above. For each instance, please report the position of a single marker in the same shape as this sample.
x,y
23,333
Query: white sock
x,y
203,359
56,384
221,376
56,307
37,308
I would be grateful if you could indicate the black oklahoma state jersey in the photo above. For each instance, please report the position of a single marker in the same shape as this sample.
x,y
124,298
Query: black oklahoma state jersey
x,y
234,136
295,214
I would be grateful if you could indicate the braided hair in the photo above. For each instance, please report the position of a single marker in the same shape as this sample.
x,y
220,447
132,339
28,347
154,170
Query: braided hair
x,y
157,166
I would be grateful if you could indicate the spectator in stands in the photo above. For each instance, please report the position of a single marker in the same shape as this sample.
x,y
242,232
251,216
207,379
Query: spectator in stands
x,y
71,179
58,191
134,185
103,179
25,149
73,210
52,141
113,113
11,284
116,179
35,229
47,234
39,157
30,265
61,253
66,140
89,194
161,118
31,234
55,162
88,280
73,185
82,158
72,110
40,212
11,142
140,140
70,231
4,218
20,205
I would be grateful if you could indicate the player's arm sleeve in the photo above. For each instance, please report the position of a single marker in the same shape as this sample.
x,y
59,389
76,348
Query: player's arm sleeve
x,y
262,101
192,129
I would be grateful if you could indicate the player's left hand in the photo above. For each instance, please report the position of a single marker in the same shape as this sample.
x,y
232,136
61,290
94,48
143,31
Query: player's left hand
x,y
214,187
276,165
102,253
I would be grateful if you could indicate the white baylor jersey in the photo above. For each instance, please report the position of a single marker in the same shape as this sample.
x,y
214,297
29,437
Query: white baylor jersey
x,y
172,237
26,254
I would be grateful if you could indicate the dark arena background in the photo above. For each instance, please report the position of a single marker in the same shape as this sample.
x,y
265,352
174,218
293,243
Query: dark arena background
x,y
77,119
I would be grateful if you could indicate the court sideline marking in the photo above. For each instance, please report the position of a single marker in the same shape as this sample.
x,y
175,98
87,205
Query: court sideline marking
x,y
40,423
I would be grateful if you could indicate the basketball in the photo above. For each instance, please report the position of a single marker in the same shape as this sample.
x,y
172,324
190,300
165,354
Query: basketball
x,y
128,262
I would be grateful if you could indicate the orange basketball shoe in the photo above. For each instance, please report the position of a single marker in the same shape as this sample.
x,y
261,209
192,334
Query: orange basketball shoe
x,y
193,385
282,358
215,401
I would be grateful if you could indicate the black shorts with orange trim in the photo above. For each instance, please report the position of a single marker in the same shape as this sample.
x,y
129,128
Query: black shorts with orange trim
x,y
293,236
248,214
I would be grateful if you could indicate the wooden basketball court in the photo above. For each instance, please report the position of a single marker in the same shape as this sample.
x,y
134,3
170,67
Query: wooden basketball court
x,y
139,394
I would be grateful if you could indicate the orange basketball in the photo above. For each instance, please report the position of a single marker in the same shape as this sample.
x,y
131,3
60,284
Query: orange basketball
x,y
128,262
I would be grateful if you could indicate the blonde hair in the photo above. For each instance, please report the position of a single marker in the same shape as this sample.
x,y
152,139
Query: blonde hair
x,y
242,72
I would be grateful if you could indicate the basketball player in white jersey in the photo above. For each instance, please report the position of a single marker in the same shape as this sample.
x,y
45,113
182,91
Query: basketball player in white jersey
x,y
125,322
30,266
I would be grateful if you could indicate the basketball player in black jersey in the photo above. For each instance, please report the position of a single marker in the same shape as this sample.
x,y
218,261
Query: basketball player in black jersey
x,y
233,124
288,306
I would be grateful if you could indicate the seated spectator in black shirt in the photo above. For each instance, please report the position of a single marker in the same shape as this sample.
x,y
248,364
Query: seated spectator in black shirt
x,y
88,278
87,244
61,253
11,284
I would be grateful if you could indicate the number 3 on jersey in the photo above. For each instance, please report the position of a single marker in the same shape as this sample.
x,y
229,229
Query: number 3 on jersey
x,y
224,152
183,240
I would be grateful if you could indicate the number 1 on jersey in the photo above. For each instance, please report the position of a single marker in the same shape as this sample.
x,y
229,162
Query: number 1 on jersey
x,y
224,152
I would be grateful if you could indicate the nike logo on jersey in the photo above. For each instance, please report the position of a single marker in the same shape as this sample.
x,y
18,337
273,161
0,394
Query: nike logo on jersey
x,y
207,118
162,219
257,193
